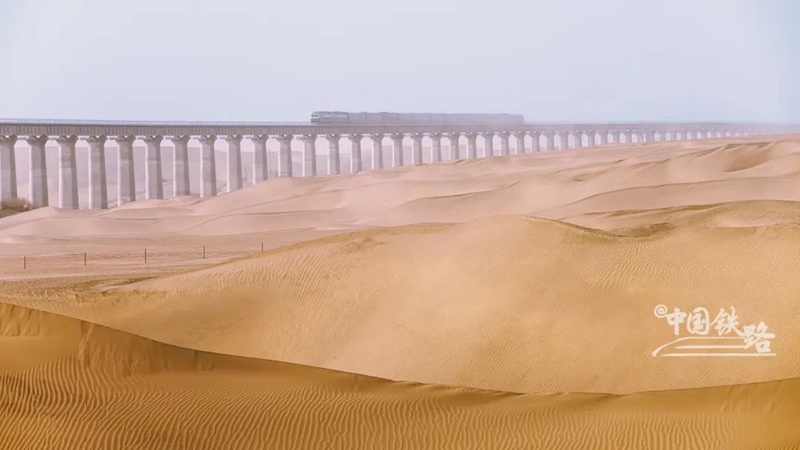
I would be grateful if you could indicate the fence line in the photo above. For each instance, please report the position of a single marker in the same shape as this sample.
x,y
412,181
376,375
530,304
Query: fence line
x,y
147,255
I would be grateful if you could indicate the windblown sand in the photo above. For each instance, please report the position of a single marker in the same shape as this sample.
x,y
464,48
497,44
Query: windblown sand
x,y
497,303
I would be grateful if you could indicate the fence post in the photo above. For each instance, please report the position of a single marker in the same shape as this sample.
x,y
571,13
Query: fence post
x,y
24,262
145,256
204,252
262,246
84,258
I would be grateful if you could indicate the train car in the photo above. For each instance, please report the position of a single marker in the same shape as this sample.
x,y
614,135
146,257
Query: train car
x,y
330,117
389,118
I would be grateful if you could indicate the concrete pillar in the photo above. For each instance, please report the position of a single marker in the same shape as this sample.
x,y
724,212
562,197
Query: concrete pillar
x,y
180,165
98,184
67,173
285,155
8,167
37,186
436,147
520,138
488,144
377,151
549,141
309,155
535,143
334,157
356,165
453,152
126,181
208,166
564,144
234,178
397,149
472,145
504,146
416,153
260,160
153,175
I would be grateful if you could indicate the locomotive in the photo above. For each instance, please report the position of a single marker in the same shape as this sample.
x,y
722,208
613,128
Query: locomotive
x,y
387,118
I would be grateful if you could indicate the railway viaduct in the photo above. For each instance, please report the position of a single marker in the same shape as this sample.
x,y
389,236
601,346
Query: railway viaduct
x,y
527,138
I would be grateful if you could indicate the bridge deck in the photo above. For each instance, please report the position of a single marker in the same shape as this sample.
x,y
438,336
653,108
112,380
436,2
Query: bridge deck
x,y
28,127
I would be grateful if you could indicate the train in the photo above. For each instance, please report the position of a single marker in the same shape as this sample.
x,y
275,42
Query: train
x,y
388,118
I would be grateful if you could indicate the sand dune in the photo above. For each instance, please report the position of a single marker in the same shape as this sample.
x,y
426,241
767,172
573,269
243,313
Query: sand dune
x,y
552,185
438,306
484,304
73,384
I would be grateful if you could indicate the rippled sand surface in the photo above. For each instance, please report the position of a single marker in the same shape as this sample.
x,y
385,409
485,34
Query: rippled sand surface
x,y
498,303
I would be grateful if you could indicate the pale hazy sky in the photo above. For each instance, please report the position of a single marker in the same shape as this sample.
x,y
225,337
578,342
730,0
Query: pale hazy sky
x,y
557,60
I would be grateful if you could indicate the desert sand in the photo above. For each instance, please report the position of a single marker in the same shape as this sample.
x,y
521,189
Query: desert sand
x,y
496,303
